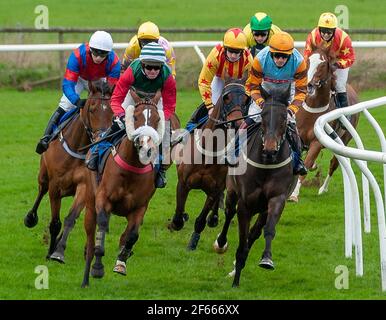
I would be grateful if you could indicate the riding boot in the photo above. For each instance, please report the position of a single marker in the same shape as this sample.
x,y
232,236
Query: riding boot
x,y
160,179
44,141
342,103
295,143
197,116
93,160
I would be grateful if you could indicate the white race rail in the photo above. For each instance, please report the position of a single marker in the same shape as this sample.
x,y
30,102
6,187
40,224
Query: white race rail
x,y
329,139
176,44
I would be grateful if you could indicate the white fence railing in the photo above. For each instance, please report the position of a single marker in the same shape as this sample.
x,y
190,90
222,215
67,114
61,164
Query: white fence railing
x,y
353,229
176,44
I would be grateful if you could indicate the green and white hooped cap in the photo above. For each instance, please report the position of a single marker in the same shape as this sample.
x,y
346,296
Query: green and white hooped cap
x,y
153,53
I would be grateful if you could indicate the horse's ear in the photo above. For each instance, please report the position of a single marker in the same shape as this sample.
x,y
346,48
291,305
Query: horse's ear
x,y
227,77
92,87
244,77
134,95
264,93
286,95
157,96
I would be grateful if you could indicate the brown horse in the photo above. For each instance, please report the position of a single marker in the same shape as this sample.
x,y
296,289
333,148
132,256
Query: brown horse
x,y
319,100
125,186
266,184
62,170
202,166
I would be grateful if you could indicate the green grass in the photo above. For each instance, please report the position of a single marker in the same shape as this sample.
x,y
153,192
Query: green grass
x,y
309,243
173,13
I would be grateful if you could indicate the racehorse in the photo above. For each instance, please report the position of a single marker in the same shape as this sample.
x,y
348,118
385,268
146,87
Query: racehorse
x,y
196,172
62,170
125,186
266,184
319,100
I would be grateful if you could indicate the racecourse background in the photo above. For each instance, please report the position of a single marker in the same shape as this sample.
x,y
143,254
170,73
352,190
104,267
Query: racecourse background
x,y
309,242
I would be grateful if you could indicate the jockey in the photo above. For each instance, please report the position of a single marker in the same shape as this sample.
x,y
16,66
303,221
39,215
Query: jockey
x,y
233,58
147,74
148,32
259,31
89,62
328,35
281,63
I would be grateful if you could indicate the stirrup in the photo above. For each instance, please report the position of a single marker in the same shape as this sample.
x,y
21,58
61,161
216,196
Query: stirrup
x,y
160,180
92,163
42,145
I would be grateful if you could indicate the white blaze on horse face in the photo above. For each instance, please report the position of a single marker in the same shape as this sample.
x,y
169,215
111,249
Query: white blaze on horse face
x,y
147,116
315,61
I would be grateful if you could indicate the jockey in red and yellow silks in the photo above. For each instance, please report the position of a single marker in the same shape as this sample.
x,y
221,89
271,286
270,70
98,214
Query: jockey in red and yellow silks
x,y
232,58
148,32
329,35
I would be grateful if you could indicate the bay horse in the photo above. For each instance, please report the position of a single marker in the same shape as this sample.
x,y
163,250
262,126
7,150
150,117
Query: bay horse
x,y
125,187
62,170
319,101
266,184
207,170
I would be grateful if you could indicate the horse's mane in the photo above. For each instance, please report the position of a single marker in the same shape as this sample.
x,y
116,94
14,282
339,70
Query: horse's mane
x,y
331,56
102,86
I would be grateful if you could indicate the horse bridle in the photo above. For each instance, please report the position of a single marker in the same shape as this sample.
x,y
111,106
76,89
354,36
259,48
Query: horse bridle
x,y
228,108
282,138
94,133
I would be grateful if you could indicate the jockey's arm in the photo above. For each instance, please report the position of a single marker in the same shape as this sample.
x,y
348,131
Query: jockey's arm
x,y
114,71
121,89
254,81
300,78
207,74
346,56
308,47
169,94
71,78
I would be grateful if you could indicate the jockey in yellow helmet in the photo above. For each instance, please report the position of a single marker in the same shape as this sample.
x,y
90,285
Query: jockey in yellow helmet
x,y
232,58
328,35
259,31
148,32
281,63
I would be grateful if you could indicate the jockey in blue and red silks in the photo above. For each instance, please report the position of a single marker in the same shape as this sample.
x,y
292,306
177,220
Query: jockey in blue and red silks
x,y
89,62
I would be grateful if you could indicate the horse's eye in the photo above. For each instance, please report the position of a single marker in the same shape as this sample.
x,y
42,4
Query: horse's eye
x,y
135,118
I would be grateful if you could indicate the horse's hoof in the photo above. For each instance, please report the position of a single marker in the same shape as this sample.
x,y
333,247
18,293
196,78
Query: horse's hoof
x,y
193,241
293,199
266,263
232,273
212,222
172,226
31,220
97,272
85,285
57,256
322,190
120,267
218,249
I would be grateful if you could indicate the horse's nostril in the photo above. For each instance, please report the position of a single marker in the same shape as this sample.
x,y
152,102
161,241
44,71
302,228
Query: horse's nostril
x,y
149,152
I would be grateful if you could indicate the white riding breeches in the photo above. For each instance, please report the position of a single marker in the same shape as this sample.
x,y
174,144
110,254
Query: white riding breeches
x,y
217,85
255,110
341,79
80,86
